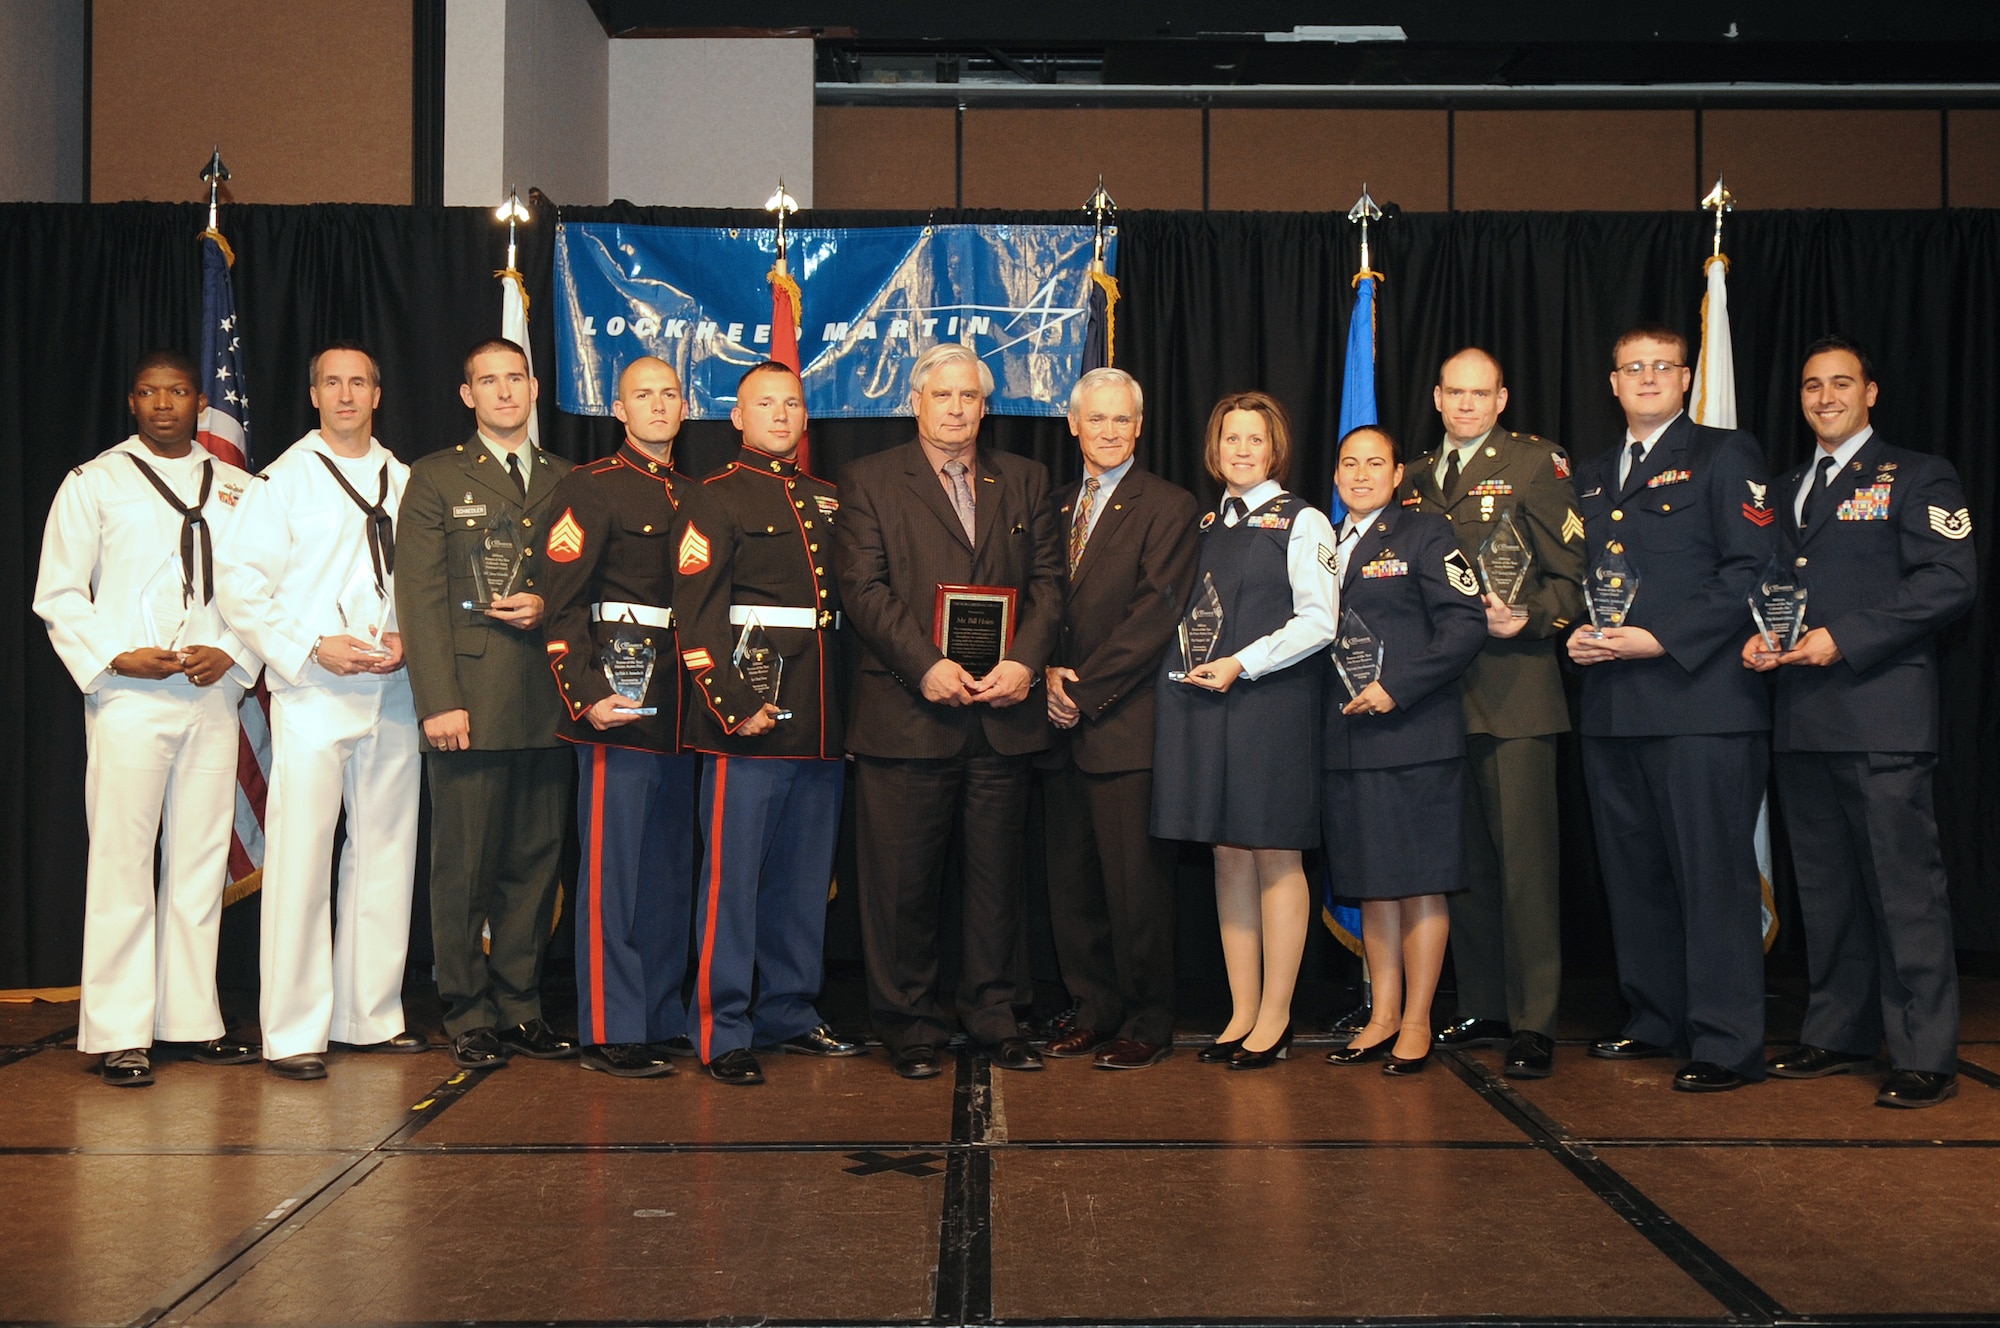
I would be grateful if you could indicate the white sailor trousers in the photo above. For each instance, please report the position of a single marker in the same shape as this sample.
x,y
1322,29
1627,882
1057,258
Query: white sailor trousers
x,y
349,742
161,768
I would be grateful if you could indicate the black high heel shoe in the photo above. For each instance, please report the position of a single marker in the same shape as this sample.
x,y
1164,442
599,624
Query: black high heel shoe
x,y
1218,1052
1397,1065
1353,1055
1246,1059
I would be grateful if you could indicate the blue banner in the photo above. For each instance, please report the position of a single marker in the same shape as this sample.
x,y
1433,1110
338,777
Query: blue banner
x,y
874,301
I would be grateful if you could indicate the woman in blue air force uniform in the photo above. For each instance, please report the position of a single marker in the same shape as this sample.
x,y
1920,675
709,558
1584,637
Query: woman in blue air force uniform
x,y
1393,785
1235,747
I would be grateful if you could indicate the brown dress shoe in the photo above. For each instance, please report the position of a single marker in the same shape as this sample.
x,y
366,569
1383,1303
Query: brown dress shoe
x,y
1076,1042
1127,1054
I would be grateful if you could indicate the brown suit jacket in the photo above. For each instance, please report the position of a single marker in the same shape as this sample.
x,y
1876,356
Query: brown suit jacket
x,y
898,540
1121,612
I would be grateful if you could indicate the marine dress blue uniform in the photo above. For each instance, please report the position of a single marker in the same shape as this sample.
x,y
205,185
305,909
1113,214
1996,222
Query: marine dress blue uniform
x,y
1242,767
1393,791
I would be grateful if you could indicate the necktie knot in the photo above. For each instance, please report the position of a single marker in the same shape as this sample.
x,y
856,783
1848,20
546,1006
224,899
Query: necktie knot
x,y
1235,510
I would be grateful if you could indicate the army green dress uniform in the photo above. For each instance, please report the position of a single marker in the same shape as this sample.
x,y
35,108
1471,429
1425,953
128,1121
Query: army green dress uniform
x,y
497,809
1505,926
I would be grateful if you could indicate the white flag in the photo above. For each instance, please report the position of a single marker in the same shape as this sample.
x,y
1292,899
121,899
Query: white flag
x,y
1715,367
514,327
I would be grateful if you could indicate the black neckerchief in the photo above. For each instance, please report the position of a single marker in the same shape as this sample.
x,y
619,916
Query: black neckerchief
x,y
381,526
191,521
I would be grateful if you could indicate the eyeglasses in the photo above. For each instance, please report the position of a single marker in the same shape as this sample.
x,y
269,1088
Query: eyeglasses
x,y
1638,368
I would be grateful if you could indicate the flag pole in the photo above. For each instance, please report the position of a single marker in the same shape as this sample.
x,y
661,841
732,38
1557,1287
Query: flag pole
x,y
1364,211
214,174
783,205
1719,200
1100,346
1101,207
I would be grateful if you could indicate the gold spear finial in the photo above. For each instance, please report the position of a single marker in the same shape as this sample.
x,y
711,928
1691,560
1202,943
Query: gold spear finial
x,y
1719,200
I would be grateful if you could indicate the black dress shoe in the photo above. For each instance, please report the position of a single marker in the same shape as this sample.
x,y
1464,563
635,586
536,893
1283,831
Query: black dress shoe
x,y
919,1061
682,1046
477,1049
1707,1077
307,1065
737,1067
1054,1026
1014,1053
1530,1055
1218,1052
1131,1054
1475,1033
536,1040
1246,1059
1917,1088
823,1041
625,1060
1076,1042
405,1043
1624,1049
1353,1055
1809,1062
1396,1066
227,1050
131,1068
1353,1021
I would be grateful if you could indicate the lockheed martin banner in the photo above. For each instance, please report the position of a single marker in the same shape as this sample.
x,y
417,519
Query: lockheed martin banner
x,y
874,301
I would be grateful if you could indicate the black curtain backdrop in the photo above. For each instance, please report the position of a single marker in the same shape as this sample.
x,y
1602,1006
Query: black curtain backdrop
x,y
1214,302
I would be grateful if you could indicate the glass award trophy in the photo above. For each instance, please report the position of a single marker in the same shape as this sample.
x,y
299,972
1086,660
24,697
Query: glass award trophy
x,y
496,563
759,664
1505,561
1200,632
363,609
1612,588
1357,654
628,666
1778,606
165,603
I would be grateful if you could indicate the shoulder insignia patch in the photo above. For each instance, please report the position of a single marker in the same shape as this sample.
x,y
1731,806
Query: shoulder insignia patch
x,y
565,541
1759,516
694,551
1572,527
697,659
1952,525
1561,463
1458,571
1326,560
1207,520
1757,492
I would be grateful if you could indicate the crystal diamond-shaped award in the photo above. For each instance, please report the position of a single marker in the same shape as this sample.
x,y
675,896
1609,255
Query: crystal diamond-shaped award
x,y
496,563
1613,586
1357,654
1505,559
759,664
166,605
629,658
364,609
1778,605
1200,630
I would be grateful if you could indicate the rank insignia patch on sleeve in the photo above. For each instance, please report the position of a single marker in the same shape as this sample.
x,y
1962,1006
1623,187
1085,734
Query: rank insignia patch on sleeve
x,y
1572,528
694,551
565,542
1458,571
1952,525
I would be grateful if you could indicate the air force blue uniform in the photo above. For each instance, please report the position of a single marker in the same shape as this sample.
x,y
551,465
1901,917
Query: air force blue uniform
x,y
1887,561
770,804
1674,748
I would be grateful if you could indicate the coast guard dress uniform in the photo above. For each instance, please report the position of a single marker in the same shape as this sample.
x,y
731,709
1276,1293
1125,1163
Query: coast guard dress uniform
x,y
1887,560
152,745
1393,796
313,538
770,804
612,548
1242,767
1675,749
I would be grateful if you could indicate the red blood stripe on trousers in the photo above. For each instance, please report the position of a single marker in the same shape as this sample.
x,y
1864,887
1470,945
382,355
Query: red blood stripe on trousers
x,y
597,760
705,978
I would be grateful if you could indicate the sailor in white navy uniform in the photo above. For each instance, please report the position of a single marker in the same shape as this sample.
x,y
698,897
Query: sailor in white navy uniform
x,y
1881,539
306,576
127,590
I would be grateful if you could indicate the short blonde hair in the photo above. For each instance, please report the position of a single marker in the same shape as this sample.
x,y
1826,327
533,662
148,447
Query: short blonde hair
x,y
949,352
1275,424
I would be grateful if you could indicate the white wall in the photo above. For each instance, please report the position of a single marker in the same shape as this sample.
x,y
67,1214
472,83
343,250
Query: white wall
x,y
475,102
701,122
43,64
525,101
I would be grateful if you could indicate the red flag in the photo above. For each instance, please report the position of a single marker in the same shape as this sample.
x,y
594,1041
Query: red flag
x,y
786,303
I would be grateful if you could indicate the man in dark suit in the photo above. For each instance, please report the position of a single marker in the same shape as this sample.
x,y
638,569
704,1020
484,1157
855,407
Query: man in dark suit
x,y
1674,747
937,746
1881,539
1131,548
1506,937
499,778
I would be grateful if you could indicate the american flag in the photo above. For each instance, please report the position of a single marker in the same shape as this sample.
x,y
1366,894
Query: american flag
x,y
225,431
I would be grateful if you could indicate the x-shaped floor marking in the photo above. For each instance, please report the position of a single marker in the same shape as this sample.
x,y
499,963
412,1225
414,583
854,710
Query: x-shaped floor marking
x,y
910,1164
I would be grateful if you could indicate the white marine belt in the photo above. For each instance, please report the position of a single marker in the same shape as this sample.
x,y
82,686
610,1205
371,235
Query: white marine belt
x,y
771,615
612,611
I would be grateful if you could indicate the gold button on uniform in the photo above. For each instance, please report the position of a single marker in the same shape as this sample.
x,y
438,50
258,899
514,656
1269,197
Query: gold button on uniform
x,y
1618,516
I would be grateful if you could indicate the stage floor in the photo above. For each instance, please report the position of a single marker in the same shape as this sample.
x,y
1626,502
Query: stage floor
x,y
398,1191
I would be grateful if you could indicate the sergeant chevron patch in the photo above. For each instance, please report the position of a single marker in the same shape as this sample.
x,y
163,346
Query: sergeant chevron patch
x,y
1952,525
1572,528
1459,572
565,542
694,551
